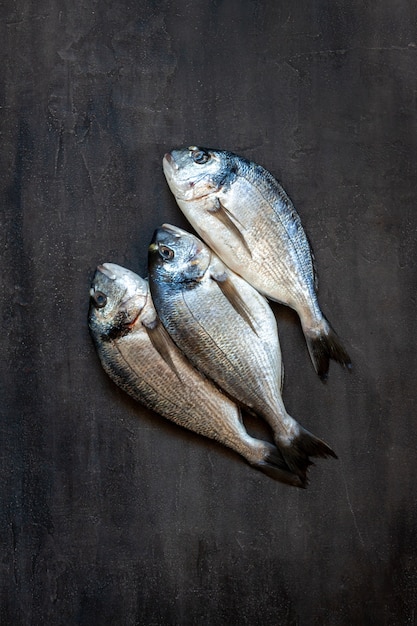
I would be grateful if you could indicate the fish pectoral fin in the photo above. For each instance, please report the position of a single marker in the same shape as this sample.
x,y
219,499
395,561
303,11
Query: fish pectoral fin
x,y
233,296
224,216
161,341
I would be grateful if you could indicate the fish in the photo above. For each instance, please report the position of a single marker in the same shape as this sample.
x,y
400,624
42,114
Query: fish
x,y
242,212
228,331
137,353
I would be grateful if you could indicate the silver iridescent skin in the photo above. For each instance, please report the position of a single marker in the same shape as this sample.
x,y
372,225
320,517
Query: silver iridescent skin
x,y
245,216
137,353
227,330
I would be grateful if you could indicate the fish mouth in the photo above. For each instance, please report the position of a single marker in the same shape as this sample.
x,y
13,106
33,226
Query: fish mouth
x,y
114,271
133,282
169,159
106,270
174,230
182,184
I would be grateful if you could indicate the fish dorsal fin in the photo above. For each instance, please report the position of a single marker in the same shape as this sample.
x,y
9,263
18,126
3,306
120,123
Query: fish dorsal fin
x,y
233,296
224,216
281,382
160,340
313,263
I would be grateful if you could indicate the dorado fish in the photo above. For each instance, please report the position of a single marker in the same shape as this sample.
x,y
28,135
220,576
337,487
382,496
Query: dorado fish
x,y
227,330
138,354
245,216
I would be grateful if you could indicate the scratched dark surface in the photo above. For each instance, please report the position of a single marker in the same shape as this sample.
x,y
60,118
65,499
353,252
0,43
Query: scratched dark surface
x,y
109,514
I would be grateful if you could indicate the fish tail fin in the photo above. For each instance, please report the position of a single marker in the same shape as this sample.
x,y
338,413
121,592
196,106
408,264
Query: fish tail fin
x,y
324,345
298,450
275,467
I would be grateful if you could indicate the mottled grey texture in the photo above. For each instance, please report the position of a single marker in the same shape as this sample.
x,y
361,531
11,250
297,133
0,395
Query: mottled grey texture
x,y
109,514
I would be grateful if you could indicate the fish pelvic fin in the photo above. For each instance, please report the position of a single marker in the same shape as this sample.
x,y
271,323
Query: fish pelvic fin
x,y
298,450
324,346
224,216
161,341
232,294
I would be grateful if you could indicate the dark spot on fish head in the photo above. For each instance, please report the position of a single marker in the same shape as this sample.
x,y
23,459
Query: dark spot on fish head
x,y
176,256
229,171
120,327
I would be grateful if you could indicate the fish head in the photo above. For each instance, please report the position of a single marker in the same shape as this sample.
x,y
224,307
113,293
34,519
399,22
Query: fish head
x,y
117,298
194,173
176,256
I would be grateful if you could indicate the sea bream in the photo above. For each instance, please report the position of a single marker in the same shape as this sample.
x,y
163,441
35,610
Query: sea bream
x,y
242,212
228,331
137,353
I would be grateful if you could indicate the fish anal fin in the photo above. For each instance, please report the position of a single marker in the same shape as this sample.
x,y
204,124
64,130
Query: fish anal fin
x,y
161,341
234,297
224,216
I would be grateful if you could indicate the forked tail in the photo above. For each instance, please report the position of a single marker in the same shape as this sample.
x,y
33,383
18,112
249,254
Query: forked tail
x,y
298,450
323,346
274,466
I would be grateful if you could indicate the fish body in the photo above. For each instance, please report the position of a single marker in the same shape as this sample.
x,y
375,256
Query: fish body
x,y
242,212
137,353
227,330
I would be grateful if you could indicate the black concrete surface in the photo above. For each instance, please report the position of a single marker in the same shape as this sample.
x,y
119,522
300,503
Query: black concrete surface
x,y
109,514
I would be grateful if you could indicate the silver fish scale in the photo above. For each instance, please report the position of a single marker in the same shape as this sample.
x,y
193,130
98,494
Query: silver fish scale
x,y
284,209
182,396
154,372
221,344
243,213
228,331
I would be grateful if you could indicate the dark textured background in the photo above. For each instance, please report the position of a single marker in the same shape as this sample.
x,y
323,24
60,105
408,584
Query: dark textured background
x,y
109,514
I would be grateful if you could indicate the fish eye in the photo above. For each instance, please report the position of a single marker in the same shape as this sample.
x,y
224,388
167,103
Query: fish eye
x,y
166,253
200,155
99,299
